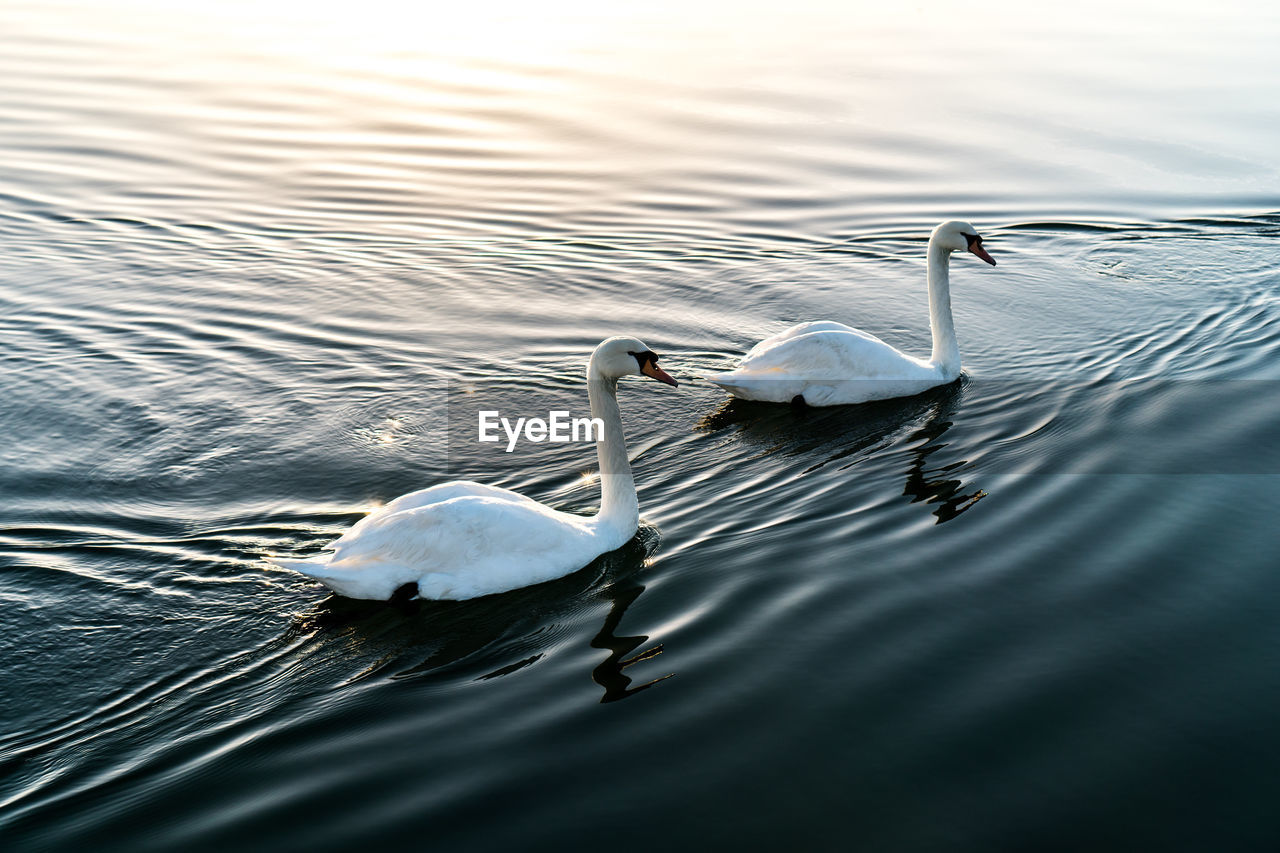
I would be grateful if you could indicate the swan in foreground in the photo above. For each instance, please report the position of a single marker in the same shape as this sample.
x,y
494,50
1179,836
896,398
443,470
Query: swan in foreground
x,y
462,539
830,364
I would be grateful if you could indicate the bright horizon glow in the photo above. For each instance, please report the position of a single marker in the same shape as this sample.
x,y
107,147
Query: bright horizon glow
x,y
338,33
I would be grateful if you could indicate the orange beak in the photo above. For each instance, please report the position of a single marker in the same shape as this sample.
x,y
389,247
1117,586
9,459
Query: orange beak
x,y
652,370
977,249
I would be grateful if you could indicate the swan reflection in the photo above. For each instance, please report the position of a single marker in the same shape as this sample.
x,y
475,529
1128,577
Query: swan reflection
x,y
845,435
609,673
937,486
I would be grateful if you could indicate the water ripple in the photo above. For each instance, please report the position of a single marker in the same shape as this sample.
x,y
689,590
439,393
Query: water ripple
x,y
260,267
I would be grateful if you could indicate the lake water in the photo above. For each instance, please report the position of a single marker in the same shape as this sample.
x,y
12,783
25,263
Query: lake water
x,y
256,257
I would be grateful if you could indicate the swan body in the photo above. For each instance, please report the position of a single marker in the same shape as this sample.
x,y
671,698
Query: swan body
x,y
828,364
462,539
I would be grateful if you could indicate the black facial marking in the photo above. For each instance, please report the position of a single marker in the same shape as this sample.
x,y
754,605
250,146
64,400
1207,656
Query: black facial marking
x,y
645,358
974,240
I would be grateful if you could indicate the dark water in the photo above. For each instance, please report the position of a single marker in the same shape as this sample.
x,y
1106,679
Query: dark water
x,y
253,256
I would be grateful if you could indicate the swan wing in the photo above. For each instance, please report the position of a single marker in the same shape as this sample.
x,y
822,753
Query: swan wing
x,y
423,497
463,547
830,354
796,331
827,367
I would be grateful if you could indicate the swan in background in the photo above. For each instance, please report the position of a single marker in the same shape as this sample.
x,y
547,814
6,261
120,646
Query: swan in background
x,y
830,364
462,539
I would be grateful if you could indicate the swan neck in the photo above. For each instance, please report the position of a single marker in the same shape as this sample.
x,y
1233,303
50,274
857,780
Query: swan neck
x,y
619,507
946,349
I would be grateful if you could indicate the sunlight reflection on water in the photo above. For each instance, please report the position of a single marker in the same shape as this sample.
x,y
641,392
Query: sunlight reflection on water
x,y
253,251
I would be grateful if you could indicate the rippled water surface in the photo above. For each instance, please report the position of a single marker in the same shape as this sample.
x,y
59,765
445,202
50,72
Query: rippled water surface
x,y
258,259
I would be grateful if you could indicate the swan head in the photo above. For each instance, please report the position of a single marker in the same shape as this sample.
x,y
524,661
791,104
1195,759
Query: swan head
x,y
623,356
957,236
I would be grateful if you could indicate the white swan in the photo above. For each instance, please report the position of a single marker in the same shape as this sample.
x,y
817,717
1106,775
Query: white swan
x,y
462,539
830,364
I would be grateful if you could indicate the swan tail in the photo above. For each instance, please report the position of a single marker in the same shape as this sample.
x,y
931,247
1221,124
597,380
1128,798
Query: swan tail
x,y
354,581
317,568
738,384
769,389
724,380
